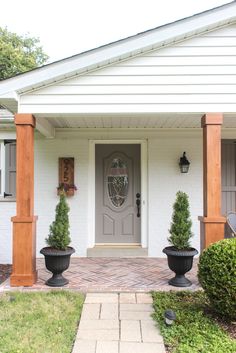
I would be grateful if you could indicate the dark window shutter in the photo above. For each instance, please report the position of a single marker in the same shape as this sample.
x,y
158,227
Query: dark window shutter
x,y
10,168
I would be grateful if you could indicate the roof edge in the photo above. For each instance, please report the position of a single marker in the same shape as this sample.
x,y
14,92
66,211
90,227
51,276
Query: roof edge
x,y
120,50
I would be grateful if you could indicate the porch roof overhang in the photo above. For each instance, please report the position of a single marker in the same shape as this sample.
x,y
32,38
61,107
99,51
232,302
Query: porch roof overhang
x,y
50,125
153,39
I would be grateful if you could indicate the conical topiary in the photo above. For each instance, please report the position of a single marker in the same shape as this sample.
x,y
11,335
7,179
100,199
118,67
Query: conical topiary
x,y
59,235
180,231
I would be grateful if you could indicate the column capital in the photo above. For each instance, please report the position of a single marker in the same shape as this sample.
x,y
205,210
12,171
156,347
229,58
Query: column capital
x,y
25,119
212,119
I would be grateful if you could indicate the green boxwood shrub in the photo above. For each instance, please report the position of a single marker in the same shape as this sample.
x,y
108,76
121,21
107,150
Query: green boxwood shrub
x,y
217,275
59,234
180,230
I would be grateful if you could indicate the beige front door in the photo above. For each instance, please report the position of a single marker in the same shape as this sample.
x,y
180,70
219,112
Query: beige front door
x,y
118,199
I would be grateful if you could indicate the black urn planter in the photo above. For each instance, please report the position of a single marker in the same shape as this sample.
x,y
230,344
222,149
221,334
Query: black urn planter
x,y
57,261
180,262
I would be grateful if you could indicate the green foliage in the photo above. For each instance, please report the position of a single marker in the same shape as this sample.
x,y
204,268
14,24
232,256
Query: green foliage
x,y
39,322
59,236
180,231
217,275
19,54
192,331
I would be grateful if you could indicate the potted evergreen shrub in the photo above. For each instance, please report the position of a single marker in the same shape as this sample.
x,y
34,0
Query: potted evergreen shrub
x,y
57,254
180,254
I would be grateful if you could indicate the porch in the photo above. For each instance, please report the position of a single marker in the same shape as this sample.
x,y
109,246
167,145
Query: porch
x,y
113,275
24,224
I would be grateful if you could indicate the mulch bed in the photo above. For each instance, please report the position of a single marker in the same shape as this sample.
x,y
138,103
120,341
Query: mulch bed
x,y
5,271
226,325
229,327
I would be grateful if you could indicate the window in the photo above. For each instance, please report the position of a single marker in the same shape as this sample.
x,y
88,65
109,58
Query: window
x,y
8,168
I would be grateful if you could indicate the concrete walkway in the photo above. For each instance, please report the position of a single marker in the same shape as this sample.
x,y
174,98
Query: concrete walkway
x,y
118,323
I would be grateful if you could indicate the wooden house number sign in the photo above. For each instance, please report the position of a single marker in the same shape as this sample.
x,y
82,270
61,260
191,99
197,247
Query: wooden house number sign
x,y
66,174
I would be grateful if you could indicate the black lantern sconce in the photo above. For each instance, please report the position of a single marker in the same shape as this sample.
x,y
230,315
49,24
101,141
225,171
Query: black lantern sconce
x,y
184,164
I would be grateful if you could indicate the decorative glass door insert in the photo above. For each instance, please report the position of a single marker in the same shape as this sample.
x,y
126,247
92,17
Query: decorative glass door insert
x,y
118,182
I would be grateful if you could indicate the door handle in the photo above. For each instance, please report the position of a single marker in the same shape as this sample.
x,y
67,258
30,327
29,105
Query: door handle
x,y
138,202
5,194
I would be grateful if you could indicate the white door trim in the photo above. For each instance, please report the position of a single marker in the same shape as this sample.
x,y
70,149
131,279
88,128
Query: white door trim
x,y
91,188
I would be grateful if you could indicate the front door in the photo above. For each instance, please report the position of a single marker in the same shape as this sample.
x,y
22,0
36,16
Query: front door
x,y
118,198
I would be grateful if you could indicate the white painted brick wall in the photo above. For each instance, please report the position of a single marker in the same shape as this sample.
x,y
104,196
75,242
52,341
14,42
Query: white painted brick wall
x,y
164,179
46,181
7,210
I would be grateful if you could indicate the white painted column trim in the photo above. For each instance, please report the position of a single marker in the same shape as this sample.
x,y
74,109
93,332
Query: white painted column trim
x,y
91,195
144,188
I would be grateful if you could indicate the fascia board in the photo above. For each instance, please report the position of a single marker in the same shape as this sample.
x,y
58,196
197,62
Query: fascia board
x,y
123,49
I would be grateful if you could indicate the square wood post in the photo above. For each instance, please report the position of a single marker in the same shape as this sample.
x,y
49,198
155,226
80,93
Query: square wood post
x,y
24,223
212,223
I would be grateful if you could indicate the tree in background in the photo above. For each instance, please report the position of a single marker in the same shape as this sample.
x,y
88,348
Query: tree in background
x,y
19,53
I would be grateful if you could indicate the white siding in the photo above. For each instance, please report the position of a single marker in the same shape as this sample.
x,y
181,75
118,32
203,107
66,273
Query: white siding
x,y
196,75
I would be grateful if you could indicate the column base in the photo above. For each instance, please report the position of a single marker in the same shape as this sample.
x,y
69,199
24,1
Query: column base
x,y
212,229
21,280
24,251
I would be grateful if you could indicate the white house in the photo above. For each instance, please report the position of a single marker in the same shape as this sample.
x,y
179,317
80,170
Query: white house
x,y
125,112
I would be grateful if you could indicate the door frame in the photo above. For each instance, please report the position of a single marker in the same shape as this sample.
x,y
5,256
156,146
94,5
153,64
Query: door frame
x,y
91,187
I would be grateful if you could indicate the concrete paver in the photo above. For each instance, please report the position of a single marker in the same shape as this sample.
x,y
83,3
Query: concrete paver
x,y
150,333
84,346
136,307
107,347
118,323
130,331
101,298
99,324
109,311
138,315
128,298
91,311
98,335
144,298
135,347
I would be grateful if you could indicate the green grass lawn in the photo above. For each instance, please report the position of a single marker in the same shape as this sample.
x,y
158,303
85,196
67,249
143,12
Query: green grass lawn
x,y
193,331
39,322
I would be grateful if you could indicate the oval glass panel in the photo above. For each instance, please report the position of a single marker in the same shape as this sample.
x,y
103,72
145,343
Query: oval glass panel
x,y
118,182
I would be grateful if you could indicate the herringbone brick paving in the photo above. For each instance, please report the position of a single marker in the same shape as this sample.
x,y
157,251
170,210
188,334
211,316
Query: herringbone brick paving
x,y
116,275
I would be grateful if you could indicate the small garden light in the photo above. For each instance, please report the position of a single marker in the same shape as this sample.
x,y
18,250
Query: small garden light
x,y
170,317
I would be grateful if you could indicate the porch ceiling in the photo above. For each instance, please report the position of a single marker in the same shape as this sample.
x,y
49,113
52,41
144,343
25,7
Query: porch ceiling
x,y
166,120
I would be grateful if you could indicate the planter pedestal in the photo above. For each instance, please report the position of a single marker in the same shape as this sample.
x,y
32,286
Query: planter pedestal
x,y
180,262
57,261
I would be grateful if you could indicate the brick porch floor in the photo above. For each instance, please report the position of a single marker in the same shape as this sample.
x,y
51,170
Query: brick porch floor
x,y
115,275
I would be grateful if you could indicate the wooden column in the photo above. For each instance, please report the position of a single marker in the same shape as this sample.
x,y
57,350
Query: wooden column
x,y
212,223
24,223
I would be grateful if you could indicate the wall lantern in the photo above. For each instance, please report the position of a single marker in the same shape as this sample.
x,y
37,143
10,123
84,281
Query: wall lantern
x,y
170,317
184,164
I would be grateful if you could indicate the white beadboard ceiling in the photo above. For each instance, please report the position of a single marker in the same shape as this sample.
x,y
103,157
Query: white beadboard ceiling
x,y
149,121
